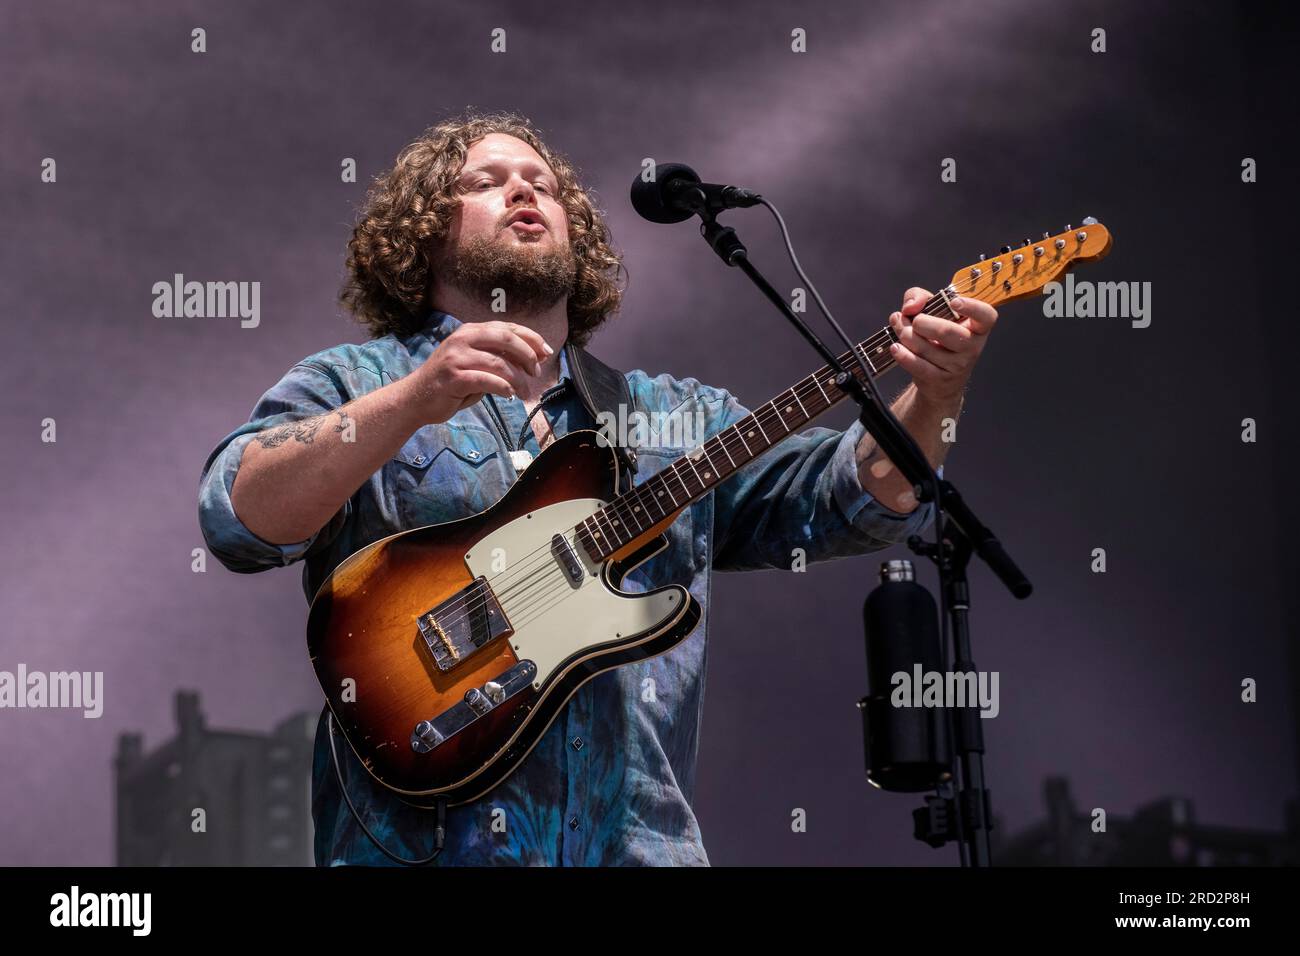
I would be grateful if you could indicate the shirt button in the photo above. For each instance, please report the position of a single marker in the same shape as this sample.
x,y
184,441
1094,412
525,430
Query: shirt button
x,y
419,459
577,743
573,823
473,454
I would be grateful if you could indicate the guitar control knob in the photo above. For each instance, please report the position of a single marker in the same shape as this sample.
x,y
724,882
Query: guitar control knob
x,y
478,701
495,692
425,737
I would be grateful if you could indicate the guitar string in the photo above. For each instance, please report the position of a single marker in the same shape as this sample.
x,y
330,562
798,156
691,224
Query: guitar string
x,y
762,415
512,580
524,570
504,585
549,583
523,574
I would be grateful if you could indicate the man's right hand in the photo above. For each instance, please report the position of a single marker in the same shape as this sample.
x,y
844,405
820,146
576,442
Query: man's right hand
x,y
479,358
269,495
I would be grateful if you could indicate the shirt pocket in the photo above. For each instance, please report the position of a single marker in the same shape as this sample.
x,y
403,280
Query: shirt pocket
x,y
445,472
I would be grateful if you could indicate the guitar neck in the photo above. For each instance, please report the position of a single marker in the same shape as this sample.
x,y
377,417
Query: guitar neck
x,y
696,473
1010,275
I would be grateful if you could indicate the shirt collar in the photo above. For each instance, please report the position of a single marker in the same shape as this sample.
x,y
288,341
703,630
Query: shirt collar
x,y
441,324
438,325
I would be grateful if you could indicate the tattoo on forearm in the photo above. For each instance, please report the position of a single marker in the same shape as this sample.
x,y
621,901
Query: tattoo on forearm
x,y
303,431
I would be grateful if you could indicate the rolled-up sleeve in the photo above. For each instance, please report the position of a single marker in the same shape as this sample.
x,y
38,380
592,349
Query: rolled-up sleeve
x,y
305,391
803,494
860,507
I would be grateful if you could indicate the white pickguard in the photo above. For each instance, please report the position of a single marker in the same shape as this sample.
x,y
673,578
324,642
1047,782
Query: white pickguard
x,y
554,619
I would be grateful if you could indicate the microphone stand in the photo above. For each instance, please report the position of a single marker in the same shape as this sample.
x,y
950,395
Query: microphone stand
x,y
965,816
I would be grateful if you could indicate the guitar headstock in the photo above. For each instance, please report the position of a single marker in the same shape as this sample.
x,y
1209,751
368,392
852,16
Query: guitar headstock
x,y
1017,273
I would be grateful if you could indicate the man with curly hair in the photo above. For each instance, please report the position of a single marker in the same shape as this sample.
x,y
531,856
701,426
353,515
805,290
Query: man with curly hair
x,y
481,268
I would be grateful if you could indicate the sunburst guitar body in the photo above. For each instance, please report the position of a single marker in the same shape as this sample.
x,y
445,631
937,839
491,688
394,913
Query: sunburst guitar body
x,y
447,651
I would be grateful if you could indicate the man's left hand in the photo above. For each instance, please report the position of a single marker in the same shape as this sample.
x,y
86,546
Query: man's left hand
x,y
939,353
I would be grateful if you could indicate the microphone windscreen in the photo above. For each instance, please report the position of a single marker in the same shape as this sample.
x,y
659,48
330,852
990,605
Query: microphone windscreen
x,y
652,199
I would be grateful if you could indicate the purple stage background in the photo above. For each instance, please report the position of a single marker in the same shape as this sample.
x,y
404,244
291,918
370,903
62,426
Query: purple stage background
x,y
1077,433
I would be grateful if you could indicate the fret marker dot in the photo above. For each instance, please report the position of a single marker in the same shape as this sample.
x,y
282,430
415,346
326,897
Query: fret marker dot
x,y
636,507
750,433
707,475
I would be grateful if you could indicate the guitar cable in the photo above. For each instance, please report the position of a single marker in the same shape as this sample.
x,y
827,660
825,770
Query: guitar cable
x,y
439,831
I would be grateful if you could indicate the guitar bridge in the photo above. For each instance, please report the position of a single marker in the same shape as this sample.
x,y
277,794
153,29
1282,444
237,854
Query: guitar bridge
x,y
463,623
435,632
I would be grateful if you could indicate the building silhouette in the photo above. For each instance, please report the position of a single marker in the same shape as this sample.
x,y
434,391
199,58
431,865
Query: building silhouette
x,y
216,797
1163,833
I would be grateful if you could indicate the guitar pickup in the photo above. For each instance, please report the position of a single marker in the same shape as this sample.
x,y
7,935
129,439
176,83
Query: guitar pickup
x,y
568,558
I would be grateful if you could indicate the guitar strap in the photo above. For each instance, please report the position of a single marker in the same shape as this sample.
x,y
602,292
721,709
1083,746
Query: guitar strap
x,y
604,389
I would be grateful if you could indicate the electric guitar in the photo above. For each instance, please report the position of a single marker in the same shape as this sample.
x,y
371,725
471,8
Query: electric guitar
x,y
445,652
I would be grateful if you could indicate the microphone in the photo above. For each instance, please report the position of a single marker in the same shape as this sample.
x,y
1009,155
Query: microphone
x,y
676,193
907,748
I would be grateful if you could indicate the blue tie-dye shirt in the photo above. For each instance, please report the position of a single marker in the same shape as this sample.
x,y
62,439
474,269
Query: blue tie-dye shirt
x,y
612,779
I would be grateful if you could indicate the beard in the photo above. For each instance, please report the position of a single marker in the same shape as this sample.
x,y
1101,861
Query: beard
x,y
531,277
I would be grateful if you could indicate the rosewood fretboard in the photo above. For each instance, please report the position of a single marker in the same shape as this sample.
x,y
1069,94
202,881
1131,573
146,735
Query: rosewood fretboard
x,y
693,475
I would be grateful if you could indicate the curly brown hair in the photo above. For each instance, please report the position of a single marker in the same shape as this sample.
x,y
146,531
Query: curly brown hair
x,y
408,209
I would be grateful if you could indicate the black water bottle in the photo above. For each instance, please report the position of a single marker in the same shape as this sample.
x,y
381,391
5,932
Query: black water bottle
x,y
907,747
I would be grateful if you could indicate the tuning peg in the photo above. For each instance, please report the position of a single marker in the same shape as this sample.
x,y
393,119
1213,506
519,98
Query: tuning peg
x,y
1047,235
981,257
1088,221
1068,227
1005,249
1024,242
